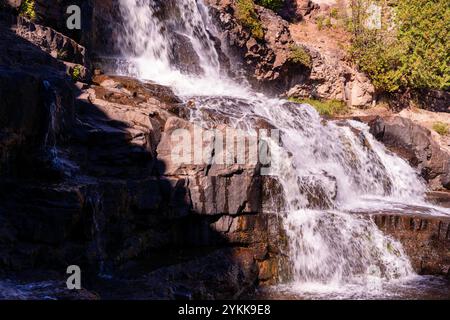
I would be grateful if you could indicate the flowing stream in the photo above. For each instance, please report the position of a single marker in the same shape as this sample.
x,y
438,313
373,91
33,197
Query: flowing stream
x,y
333,173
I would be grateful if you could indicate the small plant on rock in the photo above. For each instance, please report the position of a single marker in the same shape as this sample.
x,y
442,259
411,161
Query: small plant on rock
x,y
300,56
27,9
441,128
246,14
319,21
329,108
62,54
76,73
334,13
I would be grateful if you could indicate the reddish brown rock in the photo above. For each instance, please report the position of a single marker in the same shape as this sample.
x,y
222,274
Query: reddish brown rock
x,y
269,59
425,239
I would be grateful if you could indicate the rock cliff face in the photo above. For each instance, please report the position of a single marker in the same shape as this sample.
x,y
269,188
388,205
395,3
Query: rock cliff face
x,y
87,179
272,64
333,79
267,59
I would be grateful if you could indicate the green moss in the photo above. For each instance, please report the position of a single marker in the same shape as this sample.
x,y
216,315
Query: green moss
x,y
246,14
329,108
27,9
300,56
441,128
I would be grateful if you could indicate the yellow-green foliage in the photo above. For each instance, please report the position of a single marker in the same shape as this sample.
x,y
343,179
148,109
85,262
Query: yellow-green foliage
x,y
61,54
319,21
441,128
411,50
246,14
300,56
329,108
325,21
27,9
334,13
76,73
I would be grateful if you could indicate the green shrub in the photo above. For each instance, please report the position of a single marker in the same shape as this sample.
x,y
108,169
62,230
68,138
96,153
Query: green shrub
x,y
319,21
441,128
334,13
328,108
27,9
323,22
274,5
246,14
411,50
299,55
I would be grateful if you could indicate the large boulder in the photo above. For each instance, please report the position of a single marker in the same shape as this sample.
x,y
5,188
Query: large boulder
x,y
184,56
333,79
416,144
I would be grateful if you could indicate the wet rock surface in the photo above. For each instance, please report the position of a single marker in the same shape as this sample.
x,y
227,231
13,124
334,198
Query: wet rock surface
x,y
425,239
415,144
86,180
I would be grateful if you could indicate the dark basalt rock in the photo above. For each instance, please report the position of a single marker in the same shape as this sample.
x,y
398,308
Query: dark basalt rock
x,y
268,61
84,181
184,56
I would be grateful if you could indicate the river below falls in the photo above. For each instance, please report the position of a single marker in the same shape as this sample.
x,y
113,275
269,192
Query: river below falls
x,y
416,288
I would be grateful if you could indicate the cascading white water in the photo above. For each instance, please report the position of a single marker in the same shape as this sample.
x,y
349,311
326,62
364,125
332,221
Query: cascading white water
x,y
146,44
331,172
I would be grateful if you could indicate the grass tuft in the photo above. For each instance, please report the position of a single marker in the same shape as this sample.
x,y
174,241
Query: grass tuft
x,y
246,14
329,108
27,9
300,56
441,128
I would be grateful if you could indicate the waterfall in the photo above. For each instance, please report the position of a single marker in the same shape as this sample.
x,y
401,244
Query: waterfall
x,y
94,204
50,136
146,44
57,157
333,172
